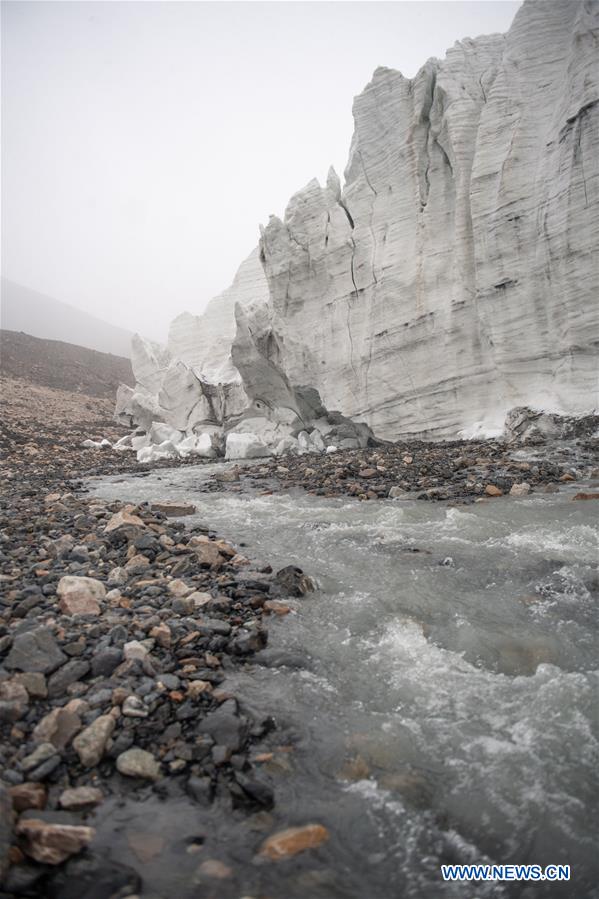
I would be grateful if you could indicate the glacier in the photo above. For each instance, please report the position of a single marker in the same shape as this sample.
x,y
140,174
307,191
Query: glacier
x,y
452,277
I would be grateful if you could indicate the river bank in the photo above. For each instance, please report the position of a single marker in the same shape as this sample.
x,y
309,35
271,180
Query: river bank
x,y
118,627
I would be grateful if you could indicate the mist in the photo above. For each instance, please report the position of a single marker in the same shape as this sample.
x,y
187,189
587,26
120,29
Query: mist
x,y
144,143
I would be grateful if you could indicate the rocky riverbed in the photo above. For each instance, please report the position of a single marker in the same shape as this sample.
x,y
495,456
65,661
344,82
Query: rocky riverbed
x,y
121,632
458,471
118,627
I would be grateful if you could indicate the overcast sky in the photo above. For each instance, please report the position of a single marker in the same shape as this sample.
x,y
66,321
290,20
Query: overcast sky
x,y
143,143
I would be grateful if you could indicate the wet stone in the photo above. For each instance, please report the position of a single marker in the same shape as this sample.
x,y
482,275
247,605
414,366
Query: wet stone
x,y
174,509
225,727
293,581
290,842
50,843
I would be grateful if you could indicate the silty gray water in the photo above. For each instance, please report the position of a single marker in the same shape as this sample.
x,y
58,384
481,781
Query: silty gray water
x,y
445,708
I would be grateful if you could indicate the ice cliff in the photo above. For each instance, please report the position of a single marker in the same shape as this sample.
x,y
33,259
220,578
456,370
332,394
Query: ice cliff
x,y
453,276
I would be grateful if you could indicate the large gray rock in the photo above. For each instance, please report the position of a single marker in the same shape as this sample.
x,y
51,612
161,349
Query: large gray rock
x,y
35,650
225,726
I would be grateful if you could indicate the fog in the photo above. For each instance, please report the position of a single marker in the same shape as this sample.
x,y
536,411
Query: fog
x,y
143,143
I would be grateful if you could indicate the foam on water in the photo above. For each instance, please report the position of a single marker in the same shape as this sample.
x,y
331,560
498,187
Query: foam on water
x,y
467,691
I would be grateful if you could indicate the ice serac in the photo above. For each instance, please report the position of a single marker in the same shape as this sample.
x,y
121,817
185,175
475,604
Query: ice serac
x,y
455,275
191,385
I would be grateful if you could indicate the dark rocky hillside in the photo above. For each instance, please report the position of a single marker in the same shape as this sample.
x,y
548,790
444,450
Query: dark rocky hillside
x,y
64,366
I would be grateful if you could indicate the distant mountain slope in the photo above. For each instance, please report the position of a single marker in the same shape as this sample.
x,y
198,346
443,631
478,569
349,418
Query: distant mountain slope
x,y
53,363
23,309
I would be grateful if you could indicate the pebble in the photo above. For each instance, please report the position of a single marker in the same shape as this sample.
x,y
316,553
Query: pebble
x,y
289,842
80,595
77,798
133,707
34,682
105,661
51,844
137,762
123,521
215,869
28,795
90,744
134,650
66,675
40,754
58,727
492,490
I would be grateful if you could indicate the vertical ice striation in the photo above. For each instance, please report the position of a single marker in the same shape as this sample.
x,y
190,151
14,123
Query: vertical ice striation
x,y
456,274
453,277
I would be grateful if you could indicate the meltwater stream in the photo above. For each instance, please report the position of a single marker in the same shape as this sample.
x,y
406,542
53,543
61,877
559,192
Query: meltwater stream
x,y
442,696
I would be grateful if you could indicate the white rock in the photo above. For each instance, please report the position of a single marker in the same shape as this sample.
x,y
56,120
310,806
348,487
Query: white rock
x,y
197,446
522,489
161,432
96,444
287,445
166,450
135,650
331,449
140,442
317,441
124,444
245,446
303,439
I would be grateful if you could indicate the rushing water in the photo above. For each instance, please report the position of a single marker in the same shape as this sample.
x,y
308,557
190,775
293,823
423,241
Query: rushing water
x,y
442,702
